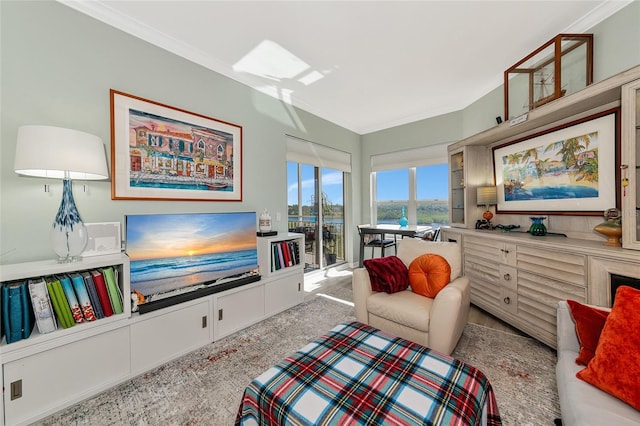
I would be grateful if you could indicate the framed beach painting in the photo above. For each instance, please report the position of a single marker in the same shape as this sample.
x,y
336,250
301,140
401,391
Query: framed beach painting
x,y
159,152
569,169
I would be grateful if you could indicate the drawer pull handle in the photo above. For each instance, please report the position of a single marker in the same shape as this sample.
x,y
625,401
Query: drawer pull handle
x,y
507,277
507,300
504,251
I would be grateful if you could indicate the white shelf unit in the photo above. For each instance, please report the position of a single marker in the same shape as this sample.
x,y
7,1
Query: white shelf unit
x,y
469,168
631,163
284,287
266,259
46,372
55,370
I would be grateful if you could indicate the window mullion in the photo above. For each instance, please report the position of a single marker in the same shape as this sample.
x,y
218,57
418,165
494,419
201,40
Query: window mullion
x,y
412,204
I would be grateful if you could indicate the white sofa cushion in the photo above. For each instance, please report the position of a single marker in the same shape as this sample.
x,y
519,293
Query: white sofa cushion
x,y
580,403
402,307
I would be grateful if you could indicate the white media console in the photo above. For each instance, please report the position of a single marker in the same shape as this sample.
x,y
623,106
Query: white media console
x,y
46,373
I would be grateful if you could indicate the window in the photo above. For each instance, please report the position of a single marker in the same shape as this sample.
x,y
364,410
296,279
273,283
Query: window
x,y
415,180
392,195
315,196
432,195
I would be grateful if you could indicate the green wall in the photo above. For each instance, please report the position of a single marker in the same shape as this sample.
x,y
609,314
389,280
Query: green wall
x,y
58,65
616,48
57,68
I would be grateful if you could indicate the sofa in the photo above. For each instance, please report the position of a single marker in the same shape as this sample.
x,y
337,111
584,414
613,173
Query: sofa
x,y
436,323
581,403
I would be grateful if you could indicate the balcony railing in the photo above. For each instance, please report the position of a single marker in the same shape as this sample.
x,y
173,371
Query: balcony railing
x,y
332,242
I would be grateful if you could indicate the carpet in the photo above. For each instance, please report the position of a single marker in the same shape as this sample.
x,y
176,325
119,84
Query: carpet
x,y
205,386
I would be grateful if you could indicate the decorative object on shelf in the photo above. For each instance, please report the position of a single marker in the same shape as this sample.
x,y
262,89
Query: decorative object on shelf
x,y
561,66
59,153
566,169
165,153
487,196
403,219
264,223
537,228
611,227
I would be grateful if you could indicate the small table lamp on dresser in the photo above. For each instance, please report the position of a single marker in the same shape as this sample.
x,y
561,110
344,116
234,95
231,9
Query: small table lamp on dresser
x,y
58,153
487,196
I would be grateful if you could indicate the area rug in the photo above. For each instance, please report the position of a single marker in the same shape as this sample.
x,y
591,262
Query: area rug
x,y
205,386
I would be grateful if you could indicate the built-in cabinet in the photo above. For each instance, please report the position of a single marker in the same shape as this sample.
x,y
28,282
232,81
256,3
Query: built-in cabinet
x,y
520,278
46,373
630,165
469,168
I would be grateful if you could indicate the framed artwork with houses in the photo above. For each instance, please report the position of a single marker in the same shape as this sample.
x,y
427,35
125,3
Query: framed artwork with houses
x,y
161,152
566,170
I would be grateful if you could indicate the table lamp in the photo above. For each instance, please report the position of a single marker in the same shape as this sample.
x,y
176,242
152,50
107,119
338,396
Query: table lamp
x,y
487,196
59,153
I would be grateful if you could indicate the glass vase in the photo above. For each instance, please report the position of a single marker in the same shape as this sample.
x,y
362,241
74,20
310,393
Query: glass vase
x,y
68,233
403,220
537,227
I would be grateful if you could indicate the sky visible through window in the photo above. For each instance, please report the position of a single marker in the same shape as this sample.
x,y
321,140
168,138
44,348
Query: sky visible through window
x,y
432,183
331,184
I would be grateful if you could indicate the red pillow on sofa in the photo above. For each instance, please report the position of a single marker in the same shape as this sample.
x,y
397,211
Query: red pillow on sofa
x,y
615,368
428,274
589,323
387,274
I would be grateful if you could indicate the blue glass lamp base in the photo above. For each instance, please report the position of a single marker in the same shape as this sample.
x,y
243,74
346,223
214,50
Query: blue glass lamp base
x,y
68,233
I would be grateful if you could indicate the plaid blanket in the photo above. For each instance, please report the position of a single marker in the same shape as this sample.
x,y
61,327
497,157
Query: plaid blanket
x,y
359,375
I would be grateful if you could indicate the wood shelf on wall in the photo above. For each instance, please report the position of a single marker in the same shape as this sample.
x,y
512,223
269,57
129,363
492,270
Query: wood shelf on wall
x,y
596,97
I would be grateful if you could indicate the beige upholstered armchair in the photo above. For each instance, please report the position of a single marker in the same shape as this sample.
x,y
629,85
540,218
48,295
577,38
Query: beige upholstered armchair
x,y
435,323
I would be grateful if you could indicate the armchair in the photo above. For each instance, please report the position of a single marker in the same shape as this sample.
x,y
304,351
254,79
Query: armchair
x,y
435,323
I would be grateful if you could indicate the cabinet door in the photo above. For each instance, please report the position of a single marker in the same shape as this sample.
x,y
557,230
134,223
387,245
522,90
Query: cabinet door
x,y
481,265
544,278
57,378
237,310
283,293
163,337
630,165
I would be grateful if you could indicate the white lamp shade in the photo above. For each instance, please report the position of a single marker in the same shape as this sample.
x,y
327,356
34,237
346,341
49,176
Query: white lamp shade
x,y
55,152
487,195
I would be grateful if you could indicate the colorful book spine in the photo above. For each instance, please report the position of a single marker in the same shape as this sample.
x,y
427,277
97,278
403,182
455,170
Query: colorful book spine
x,y
83,297
285,254
42,308
11,311
27,312
17,314
103,294
72,300
60,305
275,262
280,256
114,291
93,294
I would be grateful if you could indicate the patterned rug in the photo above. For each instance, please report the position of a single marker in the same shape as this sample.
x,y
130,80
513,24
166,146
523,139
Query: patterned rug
x,y
205,386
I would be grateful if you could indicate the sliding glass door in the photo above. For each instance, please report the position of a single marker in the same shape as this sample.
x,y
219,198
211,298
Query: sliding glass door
x,y
316,209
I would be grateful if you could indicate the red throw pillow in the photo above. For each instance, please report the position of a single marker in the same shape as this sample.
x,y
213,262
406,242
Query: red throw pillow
x,y
589,323
387,274
428,274
615,368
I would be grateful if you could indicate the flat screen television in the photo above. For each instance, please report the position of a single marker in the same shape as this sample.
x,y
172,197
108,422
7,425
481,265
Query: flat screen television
x,y
176,254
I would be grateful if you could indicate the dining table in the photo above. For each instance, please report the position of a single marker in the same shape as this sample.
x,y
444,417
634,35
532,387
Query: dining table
x,y
384,229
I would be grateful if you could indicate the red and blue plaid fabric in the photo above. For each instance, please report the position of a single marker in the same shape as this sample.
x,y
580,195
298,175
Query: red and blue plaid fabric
x,y
359,375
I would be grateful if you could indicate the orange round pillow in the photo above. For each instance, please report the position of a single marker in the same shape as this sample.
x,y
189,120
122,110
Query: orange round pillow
x,y
428,274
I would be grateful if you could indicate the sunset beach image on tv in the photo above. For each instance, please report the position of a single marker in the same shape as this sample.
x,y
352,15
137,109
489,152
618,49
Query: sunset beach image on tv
x,y
170,253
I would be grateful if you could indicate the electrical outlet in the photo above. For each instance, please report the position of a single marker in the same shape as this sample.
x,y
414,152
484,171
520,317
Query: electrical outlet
x,y
278,217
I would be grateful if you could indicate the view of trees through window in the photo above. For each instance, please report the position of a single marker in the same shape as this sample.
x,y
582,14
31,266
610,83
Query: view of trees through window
x,y
423,192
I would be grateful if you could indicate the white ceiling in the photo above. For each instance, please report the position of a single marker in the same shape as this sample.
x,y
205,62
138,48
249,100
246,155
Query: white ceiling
x,y
364,65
